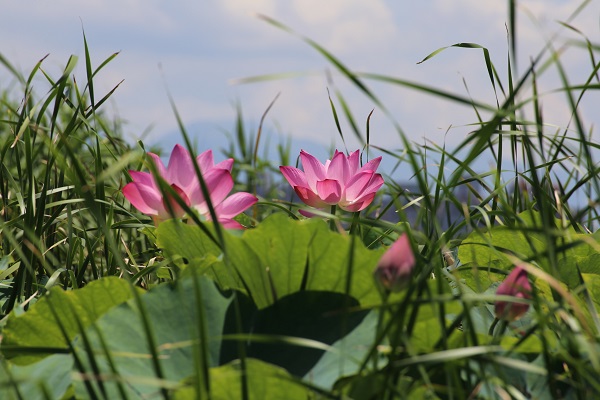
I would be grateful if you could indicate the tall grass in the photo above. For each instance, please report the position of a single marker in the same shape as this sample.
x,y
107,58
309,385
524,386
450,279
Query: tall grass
x,y
62,166
537,166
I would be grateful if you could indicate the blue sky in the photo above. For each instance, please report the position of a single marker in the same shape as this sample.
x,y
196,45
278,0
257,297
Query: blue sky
x,y
202,47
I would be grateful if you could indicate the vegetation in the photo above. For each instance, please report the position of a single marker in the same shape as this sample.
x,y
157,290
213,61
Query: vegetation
x,y
490,295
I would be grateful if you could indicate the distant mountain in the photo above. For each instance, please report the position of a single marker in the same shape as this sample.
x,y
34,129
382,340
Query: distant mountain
x,y
219,136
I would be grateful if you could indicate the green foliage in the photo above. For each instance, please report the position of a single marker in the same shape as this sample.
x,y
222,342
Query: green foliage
x,y
126,348
189,321
264,382
49,378
98,303
279,257
58,317
61,169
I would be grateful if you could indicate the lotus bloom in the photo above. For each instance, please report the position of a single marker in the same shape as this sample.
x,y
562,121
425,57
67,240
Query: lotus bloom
x,y
339,182
219,183
517,285
395,267
144,192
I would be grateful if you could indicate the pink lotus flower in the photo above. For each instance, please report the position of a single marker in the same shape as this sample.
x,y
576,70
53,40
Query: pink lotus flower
x,y
517,285
144,192
219,183
339,182
395,267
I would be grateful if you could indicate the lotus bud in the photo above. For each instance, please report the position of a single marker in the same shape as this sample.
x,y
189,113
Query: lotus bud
x,y
517,285
395,267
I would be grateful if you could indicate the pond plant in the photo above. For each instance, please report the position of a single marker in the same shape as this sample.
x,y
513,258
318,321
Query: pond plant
x,y
123,278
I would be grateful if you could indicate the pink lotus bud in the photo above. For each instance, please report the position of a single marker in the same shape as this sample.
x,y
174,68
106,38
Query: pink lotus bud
x,y
516,284
395,267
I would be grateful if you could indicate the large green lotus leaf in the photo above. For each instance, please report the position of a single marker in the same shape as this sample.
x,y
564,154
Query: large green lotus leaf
x,y
370,385
242,271
427,331
264,381
279,257
37,333
173,313
296,331
282,245
333,267
486,252
376,384
524,240
583,258
592,283
187,245
250,270
346,355
46,379
481,278
488,249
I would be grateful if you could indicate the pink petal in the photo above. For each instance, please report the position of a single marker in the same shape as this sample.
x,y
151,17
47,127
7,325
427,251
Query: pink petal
x,y
230,224
329,190
143,197
371,165
358,184
160,167
235,204
358,204
516,284
309,197
205,161
218,182
353,159
313,169
374,185
294,176
338,168
181,170
227,164
395,267
354,191
175,209
143,178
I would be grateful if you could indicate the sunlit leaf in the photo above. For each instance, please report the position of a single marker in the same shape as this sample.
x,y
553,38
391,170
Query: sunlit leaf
x,y
36,334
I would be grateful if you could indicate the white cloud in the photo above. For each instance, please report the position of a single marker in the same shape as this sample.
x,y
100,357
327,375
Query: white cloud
x,y
343,27
347,26
202,45
243,8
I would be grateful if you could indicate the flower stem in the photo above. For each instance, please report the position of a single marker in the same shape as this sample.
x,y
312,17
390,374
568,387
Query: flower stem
x,y
354,226
332,219
497,333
